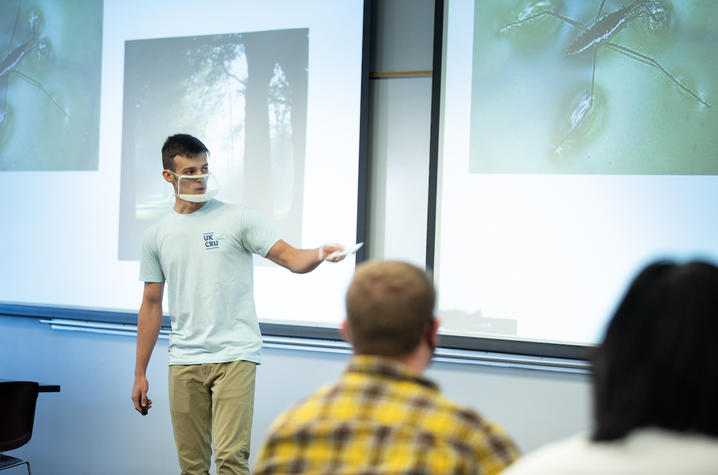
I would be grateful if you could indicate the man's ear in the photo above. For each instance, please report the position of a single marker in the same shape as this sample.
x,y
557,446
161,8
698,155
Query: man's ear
x,y
345,332
169,178
434,333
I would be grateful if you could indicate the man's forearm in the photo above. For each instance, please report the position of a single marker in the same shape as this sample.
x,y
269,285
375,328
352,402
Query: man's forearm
x,y
300,261
149,321
306,260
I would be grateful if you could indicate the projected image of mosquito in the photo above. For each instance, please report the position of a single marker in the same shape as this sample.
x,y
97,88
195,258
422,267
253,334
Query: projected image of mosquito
x,y
50,66
592,34
24,41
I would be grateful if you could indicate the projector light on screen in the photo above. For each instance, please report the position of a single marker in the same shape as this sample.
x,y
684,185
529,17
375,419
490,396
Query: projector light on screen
x,y
273,88
578,143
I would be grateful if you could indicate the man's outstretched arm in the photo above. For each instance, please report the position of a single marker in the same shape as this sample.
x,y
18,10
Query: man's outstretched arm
x,y
301,261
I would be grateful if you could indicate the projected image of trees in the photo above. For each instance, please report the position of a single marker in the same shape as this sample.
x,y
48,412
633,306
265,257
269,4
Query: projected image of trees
x,y
595,87
244,95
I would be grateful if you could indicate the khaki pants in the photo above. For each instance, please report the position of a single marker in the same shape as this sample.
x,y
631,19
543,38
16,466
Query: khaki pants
x,y
212,404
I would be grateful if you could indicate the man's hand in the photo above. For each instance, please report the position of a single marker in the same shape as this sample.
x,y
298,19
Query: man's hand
x,y
327,250
139,394
339,252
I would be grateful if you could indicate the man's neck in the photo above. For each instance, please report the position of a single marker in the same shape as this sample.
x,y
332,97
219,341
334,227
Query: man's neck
x,y
418,359
187,207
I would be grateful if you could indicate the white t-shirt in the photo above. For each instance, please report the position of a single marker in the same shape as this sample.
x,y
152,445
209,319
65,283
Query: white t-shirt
x,y
206,259
644,451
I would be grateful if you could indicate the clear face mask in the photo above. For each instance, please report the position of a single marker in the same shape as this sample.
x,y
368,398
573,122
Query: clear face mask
x,y
196,188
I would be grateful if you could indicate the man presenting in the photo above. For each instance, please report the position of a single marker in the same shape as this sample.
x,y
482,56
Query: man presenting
x,y
203,250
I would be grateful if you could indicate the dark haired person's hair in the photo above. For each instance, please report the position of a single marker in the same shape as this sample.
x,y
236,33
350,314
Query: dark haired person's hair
x,y
180,144
657,365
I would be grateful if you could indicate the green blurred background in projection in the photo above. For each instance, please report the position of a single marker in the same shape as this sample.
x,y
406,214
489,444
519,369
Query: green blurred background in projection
x,y
526,90
50,100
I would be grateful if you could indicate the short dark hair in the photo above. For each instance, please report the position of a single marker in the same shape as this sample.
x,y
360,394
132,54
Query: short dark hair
x,y
180,144
390,306
657,365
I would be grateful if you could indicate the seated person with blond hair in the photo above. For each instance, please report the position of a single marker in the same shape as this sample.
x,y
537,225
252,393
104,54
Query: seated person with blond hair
x,y
655,383
382,416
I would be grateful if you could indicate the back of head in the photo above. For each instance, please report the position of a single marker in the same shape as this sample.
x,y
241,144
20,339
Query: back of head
x,y
389,305
180,144
657,366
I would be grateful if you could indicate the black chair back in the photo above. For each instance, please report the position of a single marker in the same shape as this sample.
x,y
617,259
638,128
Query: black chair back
x,y
17,413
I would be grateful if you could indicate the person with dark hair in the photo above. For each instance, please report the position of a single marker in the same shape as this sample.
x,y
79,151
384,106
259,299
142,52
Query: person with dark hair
x,y
203,249
655,382
382,416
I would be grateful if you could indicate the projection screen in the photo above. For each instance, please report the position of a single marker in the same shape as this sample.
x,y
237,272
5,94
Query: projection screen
x,y
273,88
577,143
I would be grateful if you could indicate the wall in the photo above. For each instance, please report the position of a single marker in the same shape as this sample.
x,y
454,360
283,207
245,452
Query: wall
x,y
91,427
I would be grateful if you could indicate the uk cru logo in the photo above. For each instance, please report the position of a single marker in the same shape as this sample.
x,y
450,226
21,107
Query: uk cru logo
x,y
210,242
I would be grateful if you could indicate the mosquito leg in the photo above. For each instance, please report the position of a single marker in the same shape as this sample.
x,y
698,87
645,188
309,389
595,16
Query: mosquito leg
x,y
652,62
4,81
600,9
3,96
583,108
38,85
593,73
571,21
3,104
14,28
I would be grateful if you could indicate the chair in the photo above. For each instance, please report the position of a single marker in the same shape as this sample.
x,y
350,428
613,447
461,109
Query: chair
x,y
17,415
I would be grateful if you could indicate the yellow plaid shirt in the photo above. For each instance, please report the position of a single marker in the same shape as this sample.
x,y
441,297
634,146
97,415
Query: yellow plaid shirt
x,y
381,418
